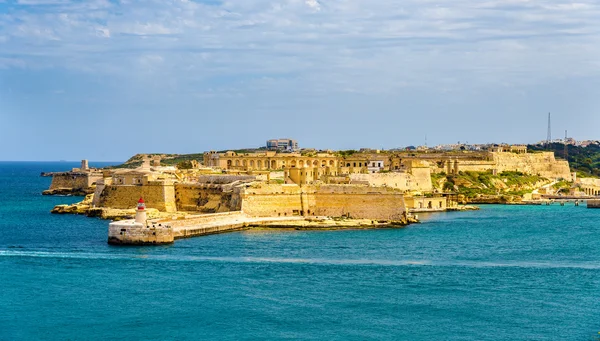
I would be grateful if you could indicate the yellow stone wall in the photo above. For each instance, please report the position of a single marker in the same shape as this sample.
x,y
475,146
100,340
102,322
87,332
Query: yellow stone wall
x,y
542,163
359,202
74,180
156,195
205,198
589,186
422,203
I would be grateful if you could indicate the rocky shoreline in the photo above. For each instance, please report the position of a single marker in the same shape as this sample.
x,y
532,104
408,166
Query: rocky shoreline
x,y
76,192
85,207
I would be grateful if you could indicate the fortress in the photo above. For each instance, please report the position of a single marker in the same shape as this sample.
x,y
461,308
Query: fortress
x,y
497,159
240,182
78,181
372,185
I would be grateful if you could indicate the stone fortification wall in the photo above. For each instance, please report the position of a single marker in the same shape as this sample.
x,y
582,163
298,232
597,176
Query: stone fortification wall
x,y
542,163
359,202
401,181
128,232
225,179
205,198
156,194
475,165
74,180
419,180
272,200
589,182
461,165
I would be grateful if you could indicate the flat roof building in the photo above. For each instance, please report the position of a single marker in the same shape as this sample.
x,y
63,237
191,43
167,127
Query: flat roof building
x,y
282,144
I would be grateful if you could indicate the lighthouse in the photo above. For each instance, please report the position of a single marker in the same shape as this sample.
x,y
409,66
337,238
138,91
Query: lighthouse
x,y
140,213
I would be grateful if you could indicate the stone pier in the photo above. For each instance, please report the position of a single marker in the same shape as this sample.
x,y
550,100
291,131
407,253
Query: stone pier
x,y
156,232
593,203
129,232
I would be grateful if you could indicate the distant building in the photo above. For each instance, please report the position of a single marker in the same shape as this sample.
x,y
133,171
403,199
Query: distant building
x,y
282,144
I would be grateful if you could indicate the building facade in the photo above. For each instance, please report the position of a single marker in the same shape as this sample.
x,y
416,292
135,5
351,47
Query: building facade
x,y
282,144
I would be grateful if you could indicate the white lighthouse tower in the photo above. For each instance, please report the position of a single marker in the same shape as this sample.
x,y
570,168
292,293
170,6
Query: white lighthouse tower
x,y
140,213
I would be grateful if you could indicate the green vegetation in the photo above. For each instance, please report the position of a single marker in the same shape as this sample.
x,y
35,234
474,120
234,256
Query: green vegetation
x,y
237,151
583,160
166,160
185,165
346,153
472,184
175,159
435,178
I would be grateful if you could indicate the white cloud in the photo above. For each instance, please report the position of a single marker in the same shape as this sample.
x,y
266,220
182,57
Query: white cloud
x,y
43,2
314,4
369,46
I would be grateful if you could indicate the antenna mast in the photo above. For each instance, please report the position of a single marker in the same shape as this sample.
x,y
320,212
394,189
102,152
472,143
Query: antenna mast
x,y
549,136
566,153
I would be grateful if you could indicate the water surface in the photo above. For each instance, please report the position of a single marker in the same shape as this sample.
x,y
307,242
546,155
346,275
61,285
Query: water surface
x,y
502,273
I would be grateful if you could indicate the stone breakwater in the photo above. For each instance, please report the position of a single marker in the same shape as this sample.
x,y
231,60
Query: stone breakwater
x,y
157,232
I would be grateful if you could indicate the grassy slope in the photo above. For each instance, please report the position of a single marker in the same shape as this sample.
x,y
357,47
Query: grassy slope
x,y
472,184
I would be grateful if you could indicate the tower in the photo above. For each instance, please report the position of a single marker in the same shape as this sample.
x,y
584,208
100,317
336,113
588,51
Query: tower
x,y
84,165
140,213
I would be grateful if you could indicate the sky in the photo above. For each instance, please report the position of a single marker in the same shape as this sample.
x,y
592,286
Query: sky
x,y
104,80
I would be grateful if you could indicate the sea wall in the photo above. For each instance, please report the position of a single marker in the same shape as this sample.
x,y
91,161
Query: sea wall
x,y
128,232
272,200
359,202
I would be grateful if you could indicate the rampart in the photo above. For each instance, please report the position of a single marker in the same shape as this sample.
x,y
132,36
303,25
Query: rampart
x,y
400,180
157,194
542,163
206,198
224,179
74,180
359,202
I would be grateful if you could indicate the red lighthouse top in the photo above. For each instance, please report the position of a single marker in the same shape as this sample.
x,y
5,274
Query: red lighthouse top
x,y
141,204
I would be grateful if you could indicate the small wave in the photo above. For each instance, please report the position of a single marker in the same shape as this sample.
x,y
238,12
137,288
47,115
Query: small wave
x,y
308,261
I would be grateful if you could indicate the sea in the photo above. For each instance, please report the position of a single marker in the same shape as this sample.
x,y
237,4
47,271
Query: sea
x,y
501,273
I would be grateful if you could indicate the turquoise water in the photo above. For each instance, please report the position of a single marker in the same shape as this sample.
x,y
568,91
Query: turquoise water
x,y
502,273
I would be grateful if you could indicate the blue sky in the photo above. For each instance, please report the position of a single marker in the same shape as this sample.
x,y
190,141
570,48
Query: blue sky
x,y
104,80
